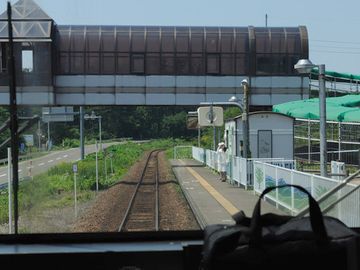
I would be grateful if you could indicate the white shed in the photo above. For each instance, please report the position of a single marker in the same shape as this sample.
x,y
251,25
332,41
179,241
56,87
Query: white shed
x,y
271,135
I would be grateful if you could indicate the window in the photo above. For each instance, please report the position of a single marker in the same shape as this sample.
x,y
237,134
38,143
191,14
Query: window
x,y
27,60
182,42
264,64
212,42
137,63
3,58
93,63
153,41
77,63
167,63
123,63
108,63
213,64
182,64
227,64
153,63
197,64
138,41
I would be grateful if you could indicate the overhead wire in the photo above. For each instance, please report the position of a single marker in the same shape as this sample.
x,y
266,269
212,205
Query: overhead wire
x,y
343,52
335,41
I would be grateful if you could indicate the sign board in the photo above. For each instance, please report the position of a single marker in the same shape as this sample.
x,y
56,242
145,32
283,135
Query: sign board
x,y
75,168
29,139
192,120
57,114
211,116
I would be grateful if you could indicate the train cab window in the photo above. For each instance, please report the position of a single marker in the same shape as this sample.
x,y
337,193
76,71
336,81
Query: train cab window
x,y
137,63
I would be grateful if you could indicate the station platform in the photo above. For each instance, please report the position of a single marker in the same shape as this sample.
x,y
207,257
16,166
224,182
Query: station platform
x,y
213,201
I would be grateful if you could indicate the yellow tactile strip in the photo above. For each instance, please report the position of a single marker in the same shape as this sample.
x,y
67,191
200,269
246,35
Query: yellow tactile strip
x,y
229,207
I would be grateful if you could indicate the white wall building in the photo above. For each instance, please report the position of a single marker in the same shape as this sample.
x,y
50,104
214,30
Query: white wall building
x,y
271,135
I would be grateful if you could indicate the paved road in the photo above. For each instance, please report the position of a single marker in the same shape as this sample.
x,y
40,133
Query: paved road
x,y
42,164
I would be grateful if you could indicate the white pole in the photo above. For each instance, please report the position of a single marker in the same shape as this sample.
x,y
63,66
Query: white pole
x,y
309,141
199,136
339,144
97,167
39,134
48,146
322,101
75,195
101,148
111,165
9,189
105,166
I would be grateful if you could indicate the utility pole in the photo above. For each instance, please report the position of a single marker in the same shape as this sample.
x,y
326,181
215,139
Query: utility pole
x,y
13,119
82,150
245,119
266,20
10,191
48,130
39,133
97,166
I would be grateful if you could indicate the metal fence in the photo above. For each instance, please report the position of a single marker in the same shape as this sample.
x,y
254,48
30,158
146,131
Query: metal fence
x,y
342,140
348,210
239,170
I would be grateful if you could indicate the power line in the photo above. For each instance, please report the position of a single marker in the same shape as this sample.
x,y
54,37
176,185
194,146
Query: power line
x,y
337,47
325,51
335,41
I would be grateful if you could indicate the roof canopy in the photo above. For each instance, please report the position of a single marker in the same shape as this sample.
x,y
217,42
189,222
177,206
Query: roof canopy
x,y
30,23
342,109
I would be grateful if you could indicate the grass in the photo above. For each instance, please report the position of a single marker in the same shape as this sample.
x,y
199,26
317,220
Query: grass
x,y
54,189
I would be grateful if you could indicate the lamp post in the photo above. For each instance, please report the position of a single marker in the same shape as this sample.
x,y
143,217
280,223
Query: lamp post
x,y
244,118
93,116
305,66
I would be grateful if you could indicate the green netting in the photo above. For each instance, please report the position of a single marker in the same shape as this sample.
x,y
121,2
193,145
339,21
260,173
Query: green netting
x,y
337,75
346,101
353,116
337,109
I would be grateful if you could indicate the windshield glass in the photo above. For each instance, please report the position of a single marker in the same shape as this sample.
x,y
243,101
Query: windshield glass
x,y
144,116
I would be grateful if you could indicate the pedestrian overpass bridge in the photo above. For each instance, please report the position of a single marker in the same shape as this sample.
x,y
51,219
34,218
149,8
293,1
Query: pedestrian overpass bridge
x,y
148,65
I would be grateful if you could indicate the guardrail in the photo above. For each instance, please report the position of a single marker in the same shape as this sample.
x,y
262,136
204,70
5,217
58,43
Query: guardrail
x,y
3,186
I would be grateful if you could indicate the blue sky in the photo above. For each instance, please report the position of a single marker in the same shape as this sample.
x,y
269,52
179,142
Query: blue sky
x,y
333,26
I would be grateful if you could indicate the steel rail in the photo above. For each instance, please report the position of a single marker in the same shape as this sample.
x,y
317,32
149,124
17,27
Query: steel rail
x,y
131,202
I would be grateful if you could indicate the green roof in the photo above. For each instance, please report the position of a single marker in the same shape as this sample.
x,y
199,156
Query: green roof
x,y
341,77
343,109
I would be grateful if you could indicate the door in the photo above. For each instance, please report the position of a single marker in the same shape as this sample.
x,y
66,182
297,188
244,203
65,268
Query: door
x,y
264,143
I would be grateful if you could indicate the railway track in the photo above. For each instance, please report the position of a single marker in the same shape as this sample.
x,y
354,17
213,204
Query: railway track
x,y
142,213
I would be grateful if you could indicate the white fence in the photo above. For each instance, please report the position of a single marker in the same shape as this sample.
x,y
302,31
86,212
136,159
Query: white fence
x,y
266,175
239,170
